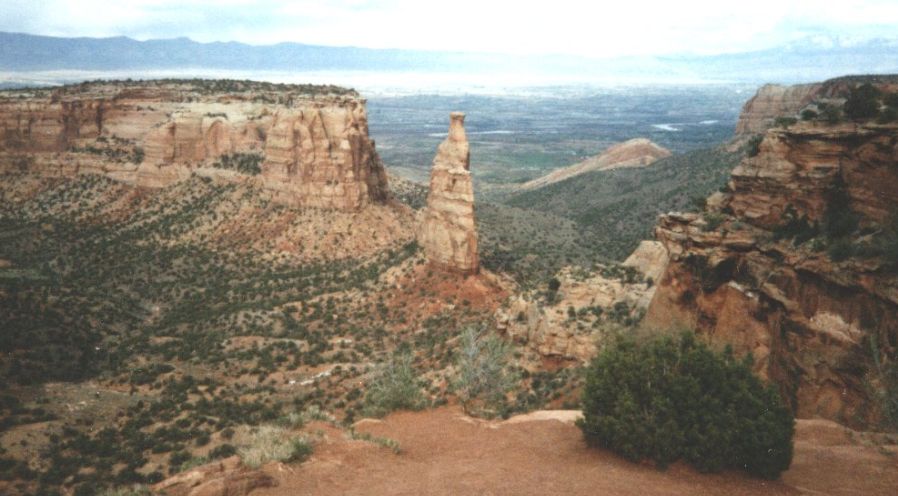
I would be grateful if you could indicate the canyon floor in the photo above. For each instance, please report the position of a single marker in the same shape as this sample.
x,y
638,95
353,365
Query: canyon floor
x,y
444,452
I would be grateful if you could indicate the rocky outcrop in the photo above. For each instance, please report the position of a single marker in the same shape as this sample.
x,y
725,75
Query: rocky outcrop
x,y
753,271
638,152
314,140
772,101
447,230
228,477
649,258
568,324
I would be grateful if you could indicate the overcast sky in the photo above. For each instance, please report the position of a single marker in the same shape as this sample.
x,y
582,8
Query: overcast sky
x,y
592,28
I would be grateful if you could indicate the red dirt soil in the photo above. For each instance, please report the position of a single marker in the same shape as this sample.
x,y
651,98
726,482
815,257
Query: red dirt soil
x,y
447,453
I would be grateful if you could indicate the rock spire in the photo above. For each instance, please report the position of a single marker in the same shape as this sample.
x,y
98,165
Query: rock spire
x,y
447,231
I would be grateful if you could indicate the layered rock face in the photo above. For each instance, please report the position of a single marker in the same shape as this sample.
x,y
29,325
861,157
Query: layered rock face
x,y
314,140
447,230
812,324
772,101
638,152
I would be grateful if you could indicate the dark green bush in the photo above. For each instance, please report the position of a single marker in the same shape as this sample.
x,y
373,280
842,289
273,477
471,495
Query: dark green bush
x,y
785,122
808,115
863,102
753,147
675,399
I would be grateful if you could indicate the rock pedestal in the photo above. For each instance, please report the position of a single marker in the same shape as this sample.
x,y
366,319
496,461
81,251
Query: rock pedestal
x,y
447,230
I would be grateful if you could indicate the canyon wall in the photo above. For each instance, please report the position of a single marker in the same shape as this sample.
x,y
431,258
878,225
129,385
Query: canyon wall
x,y
773,100
312,141
761,271
447,230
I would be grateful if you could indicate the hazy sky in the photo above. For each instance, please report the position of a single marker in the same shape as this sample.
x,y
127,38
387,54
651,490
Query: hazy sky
x,y
592,27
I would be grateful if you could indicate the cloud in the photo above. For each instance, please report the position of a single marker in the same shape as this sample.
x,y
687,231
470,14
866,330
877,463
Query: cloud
x,y
599,29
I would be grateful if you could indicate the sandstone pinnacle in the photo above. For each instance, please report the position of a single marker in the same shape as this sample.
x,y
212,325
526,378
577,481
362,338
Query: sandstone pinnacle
x,y
447,231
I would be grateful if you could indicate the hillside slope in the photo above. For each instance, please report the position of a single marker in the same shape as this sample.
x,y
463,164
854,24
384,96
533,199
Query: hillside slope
x,y
618,208
637,152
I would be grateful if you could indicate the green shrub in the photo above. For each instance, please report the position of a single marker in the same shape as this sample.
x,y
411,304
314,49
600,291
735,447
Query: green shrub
x,y
862,102
394,387
675,399
808,115
830,114
137,490
713,220
753,147
784,122
839,219
272,443
840,249
482,376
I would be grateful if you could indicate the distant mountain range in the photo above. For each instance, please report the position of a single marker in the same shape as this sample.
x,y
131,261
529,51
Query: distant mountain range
x,y
801,61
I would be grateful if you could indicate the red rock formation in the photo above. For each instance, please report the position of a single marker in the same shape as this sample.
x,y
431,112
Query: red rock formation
x,y
315,141
447,231
807,320
772,101
228,477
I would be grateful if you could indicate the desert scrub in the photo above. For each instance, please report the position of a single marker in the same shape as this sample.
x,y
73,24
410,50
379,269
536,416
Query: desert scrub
x,y
269,443
384,442
137,490
483,376
670,399
394,387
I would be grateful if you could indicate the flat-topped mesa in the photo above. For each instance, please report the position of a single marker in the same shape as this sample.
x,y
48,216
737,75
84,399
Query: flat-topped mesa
x,y
309,144
447,230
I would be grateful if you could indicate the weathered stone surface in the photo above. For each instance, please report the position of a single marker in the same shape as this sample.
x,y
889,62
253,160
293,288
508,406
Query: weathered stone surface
x,y
228,477
650,258
316,148
772,101
808,321
548,329
638,152
447,230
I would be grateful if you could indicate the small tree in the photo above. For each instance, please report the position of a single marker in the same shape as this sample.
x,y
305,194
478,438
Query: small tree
x,y
394,387
670,399
483,378
863,102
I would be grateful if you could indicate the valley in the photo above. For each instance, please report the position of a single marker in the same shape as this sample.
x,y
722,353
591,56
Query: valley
x,y
186,265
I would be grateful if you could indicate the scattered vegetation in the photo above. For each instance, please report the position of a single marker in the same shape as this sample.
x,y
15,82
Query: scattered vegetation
x,y
483,377
394,387
245,163
669,399
618,208
272,443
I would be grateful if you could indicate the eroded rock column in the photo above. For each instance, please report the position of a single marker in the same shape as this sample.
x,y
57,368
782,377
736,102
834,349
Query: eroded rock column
x,y
447,231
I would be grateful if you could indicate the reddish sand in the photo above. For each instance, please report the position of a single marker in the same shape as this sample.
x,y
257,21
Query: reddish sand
x,y
444,452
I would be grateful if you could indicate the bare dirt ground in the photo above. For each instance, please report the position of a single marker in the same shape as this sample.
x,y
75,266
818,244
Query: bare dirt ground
x,y
444,452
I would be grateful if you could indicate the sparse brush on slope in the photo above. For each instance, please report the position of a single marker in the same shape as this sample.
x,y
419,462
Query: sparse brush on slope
x,y
483,377
616,209
394,387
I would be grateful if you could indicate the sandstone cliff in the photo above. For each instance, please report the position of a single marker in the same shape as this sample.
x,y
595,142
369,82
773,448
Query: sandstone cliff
x,y
637,152
772,100
312,141
447,230
766,270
